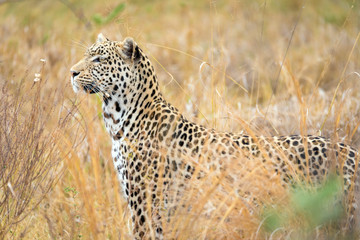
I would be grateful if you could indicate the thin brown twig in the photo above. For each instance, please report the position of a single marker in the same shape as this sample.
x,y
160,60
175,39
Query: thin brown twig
x,y
78,13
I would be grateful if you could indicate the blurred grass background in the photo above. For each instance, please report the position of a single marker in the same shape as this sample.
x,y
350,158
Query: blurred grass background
x,y
217,61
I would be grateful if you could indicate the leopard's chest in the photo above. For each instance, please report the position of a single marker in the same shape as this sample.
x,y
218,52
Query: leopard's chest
x,y
121,166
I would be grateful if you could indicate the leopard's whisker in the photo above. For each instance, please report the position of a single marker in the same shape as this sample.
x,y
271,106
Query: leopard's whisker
x,y
80,44
85,80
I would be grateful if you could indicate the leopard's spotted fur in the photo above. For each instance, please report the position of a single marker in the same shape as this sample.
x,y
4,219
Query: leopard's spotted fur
x,y
153,142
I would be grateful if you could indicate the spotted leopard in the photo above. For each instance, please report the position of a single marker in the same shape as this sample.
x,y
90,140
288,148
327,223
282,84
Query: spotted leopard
x,y
156,150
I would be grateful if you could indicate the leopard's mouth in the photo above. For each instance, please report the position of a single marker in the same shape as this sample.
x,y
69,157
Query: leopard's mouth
x,y
91,88
87,86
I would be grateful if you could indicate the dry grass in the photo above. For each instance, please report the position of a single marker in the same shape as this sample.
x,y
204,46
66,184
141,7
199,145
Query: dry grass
x,y
205,53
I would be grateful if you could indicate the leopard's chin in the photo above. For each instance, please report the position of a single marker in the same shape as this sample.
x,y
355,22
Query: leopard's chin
x,y
91,88
76,88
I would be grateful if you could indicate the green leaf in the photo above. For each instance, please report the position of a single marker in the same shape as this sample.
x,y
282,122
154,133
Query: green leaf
x,y
117,10
98,19
308,208
316,205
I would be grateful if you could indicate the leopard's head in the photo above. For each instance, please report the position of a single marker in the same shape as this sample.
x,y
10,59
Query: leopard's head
x,y
106,66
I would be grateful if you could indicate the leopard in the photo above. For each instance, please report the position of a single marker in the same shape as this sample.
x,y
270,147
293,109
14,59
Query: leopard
x,y
156,151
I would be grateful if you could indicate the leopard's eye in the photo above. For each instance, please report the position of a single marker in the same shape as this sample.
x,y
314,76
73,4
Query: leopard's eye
x,y
96,59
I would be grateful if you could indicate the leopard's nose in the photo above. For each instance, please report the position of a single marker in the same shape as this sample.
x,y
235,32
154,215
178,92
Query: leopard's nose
x,y
74,73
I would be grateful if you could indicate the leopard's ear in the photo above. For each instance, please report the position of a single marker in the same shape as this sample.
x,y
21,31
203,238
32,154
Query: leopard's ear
x,y
128,49
101,38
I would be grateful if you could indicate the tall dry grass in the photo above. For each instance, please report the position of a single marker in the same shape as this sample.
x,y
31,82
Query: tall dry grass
x,y
30,161
205,53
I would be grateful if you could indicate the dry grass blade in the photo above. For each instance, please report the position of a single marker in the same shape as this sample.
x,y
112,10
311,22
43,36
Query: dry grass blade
x,y
341,80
